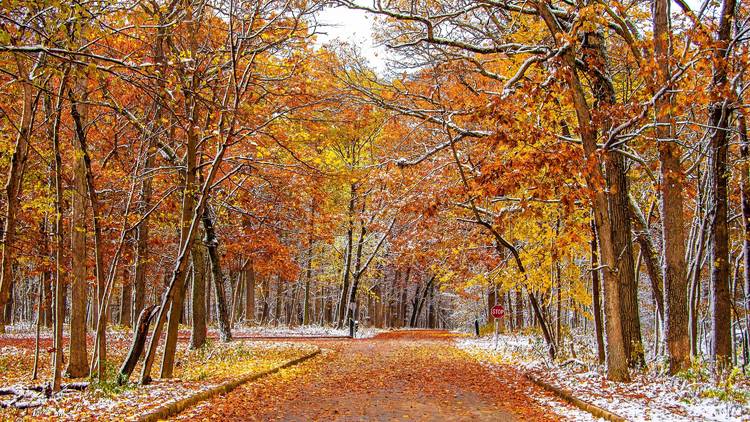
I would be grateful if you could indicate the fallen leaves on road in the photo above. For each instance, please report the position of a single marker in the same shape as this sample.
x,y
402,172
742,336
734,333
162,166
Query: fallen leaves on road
x,y
416,375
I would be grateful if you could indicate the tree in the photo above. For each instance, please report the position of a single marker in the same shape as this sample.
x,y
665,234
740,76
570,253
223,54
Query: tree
x,y
671,205
719,118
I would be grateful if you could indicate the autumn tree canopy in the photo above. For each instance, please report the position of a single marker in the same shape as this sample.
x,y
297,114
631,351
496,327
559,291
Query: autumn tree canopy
x,y
209,163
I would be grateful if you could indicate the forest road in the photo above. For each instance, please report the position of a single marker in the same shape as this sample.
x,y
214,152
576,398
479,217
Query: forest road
x,y
395,376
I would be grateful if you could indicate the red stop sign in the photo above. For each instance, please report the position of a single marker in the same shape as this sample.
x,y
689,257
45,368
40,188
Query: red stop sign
x,y
497,311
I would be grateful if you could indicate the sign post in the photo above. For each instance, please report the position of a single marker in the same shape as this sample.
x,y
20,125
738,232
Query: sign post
x,y
497,312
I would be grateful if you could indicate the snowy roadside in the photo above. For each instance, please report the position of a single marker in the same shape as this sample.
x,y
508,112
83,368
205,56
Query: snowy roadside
x,y
196,371
483,349
302,331
648,397
27,332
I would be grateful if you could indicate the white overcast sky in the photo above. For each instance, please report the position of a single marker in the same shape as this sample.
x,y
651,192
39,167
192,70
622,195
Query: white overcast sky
x,y
356,28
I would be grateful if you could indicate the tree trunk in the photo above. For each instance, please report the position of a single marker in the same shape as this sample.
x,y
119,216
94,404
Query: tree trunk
x,y
209,295
212,244
618,206
236,298
139,341
278,312
250,293
100,344
40,309
188,202
719,118
360,267
141,256
617,367
431,315
341,311
698,247
178,273
419,300
266,292
199,330
13,187
596,296
404,297
59,306
491,300
306,307
673,235
745,194
519,309
78,356
126,304
650,256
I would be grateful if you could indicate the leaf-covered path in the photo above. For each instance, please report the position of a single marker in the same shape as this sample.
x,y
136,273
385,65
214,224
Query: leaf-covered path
x,y
406,375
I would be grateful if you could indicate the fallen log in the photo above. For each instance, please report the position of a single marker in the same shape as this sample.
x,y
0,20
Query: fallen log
x,y
25,390
22,404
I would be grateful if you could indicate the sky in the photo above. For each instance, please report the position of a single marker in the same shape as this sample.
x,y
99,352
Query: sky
x,y
355,27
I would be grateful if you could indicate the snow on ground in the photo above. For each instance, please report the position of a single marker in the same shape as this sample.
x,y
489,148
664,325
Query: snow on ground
x,y
195,371
488,351
301,330
648,397
27,331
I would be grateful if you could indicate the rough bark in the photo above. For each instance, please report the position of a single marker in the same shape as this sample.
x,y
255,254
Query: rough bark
x,y
126,300
58,305
217,275
745,194
100,344
199,330
141,256
719,118
139,341
618,204
596,296
187,215
13,185
650,257
346,272
78,355
617,367
237,294
250,293
420,300
671,187
178,276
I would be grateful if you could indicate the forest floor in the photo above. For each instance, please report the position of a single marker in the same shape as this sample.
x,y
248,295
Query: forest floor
x,y
195,370
399,375
383,375
651,396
